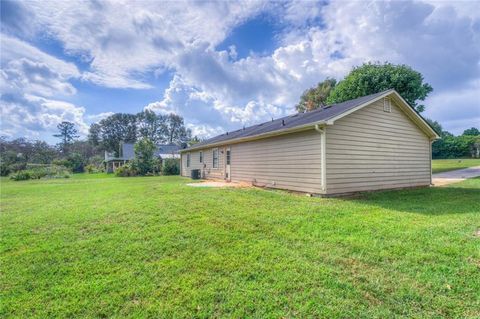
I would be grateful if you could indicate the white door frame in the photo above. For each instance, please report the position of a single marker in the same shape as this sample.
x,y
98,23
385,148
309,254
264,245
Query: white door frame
x,y
228,161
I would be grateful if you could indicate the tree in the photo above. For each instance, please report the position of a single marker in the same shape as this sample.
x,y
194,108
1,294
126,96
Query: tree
x,y
152,126
194,140
75,162
471,132
145,161
67,133
117,128
94,134
371,78
475,147
43,153
316,97
176,131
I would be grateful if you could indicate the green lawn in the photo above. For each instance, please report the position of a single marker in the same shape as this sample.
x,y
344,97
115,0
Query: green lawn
x,y
154,247
444,165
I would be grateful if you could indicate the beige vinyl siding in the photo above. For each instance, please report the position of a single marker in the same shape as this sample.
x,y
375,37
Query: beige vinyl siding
x,y
371,149
208,171
291,161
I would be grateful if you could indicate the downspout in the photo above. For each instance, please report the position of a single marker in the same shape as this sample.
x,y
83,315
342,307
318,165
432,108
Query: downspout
x,y
323,164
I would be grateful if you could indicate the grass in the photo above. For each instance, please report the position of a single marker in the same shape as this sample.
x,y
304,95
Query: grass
x,y
445,165
154,247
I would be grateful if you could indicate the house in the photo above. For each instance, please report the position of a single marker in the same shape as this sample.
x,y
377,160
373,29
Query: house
x,y
127,153
369,143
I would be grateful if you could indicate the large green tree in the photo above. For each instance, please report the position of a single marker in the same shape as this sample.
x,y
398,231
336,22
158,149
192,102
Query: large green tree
x,y
115,129
152,126
316,97
473,131
371,78
176,132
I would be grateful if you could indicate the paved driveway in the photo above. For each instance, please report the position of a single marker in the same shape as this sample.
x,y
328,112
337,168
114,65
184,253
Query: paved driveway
x,y
458,175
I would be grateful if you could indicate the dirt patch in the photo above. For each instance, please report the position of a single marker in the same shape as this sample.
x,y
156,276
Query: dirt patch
x,y
220,184
446,181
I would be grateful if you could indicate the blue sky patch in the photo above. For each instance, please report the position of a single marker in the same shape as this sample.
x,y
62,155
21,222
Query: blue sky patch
x,y
257,36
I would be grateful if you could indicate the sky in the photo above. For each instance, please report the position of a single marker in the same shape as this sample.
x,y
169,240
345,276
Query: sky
x,y
222,65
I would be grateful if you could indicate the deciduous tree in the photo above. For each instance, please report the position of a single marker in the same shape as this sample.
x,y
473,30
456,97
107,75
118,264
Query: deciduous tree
x,y
472,132
152,126
176,131
316,97
117,128
371,78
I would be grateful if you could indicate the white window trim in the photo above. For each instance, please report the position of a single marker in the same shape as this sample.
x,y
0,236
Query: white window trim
x,y
218,158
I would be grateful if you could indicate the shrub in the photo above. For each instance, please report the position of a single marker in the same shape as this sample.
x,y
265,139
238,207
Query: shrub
x,y
145,161
4,169
76,162
171,166
126,170
21,175
91,169
17,167
40,171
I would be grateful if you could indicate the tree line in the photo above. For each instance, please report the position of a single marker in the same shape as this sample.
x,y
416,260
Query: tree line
x,y
122,127
79,155
450,146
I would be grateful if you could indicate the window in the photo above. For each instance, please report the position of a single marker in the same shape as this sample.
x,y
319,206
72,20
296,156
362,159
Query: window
x,y
188,160
387,105
215,158
201,157
228,156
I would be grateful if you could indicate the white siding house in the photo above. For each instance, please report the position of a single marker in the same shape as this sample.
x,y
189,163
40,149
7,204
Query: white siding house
x,y
370,143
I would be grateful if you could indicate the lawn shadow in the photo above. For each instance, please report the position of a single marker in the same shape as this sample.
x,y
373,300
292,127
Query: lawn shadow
x,y
429,201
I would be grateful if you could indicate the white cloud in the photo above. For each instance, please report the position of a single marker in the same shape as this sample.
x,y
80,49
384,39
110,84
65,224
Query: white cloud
x,y
125,43
16,49
458,109
35,77
30,83
93,118
125,40
439,41
33,117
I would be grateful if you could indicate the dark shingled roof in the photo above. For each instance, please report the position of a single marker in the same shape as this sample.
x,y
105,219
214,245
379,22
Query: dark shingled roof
x,y
298,119
167,149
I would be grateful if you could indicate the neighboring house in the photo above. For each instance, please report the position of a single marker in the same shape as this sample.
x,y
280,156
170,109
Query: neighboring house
x,y
127,153
369,143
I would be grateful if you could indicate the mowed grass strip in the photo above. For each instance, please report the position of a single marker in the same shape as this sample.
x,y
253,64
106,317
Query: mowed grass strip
x,y
154,247
445,165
